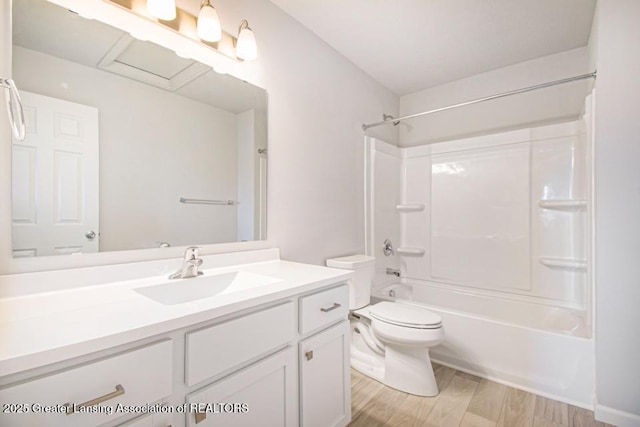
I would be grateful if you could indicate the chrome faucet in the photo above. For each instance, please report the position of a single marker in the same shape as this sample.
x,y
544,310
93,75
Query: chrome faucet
x,y
387,248
190,264
393,271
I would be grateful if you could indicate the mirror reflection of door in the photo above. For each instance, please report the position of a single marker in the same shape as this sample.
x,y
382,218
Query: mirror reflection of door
x,y
55,179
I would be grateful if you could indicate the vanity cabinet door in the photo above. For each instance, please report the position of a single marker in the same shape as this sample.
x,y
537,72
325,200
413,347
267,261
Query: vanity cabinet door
x,y
325,379
263,394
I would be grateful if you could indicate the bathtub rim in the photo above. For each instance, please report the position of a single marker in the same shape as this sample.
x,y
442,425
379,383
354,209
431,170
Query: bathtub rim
x,y
377,295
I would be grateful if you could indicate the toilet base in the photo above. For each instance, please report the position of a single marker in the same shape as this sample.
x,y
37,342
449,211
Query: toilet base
x,y
395,356
410,370
405,369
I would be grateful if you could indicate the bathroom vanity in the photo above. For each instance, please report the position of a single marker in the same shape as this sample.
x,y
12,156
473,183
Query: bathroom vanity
x,y
253,341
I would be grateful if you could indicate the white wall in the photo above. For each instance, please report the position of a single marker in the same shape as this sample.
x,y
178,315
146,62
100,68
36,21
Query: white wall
x,y
617,194
557,104
155,147
317,102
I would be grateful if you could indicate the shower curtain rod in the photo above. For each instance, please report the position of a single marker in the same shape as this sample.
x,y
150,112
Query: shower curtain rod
x,y
487,98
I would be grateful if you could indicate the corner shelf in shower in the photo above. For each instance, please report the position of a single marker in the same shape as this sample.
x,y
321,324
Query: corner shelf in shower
x,y
562,204
409,208
410,251
569,263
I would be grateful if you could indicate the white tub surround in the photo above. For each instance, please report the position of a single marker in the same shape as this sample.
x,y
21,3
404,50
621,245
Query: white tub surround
x,y
493,234
248,333
505,216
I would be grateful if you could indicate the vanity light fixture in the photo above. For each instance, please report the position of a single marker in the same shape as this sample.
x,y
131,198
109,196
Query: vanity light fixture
x,y
162,9
209,28
204,28
246,48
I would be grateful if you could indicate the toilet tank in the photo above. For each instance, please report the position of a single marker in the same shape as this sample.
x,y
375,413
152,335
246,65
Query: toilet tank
x,y
364,268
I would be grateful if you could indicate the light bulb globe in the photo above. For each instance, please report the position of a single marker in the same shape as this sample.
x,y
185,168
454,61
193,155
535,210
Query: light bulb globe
x,y
209,28
246,48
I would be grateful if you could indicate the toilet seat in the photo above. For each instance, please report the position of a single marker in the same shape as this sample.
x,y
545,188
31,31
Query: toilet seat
x,y
405,315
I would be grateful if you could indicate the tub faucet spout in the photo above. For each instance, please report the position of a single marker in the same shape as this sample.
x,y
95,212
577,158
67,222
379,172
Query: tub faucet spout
x,y
393,271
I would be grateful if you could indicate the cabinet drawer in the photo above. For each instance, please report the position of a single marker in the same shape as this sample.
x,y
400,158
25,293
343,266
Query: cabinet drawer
x,y
137,377
323,308
263,394
218,348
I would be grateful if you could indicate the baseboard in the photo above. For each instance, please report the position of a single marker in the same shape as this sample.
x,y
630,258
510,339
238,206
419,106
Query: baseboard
x,y
616,417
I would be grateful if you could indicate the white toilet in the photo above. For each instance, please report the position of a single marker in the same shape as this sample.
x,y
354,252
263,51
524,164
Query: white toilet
x,y
390,341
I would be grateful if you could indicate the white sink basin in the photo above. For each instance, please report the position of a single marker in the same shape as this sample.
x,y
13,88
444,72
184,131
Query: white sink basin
x,y
185,290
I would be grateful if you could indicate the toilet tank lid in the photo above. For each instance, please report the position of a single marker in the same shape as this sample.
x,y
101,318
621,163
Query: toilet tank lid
x,y
351,262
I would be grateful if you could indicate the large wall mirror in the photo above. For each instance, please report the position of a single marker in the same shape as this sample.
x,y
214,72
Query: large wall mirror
x,y
128,145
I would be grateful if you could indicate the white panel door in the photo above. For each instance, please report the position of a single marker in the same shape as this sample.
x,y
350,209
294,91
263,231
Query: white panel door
x,y
55,179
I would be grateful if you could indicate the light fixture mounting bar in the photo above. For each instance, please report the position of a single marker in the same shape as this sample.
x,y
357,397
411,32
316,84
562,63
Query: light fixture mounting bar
x,y
185,24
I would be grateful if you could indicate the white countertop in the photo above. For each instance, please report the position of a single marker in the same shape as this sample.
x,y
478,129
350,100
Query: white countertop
x,y
48,327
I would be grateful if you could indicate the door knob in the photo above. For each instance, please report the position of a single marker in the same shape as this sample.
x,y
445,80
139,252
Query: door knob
x,y
90,235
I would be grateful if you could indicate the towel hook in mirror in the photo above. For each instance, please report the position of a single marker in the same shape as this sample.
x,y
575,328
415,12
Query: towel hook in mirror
x,y
14,109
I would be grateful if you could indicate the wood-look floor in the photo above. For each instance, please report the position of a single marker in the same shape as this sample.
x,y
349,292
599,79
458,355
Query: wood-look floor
x,y
464,400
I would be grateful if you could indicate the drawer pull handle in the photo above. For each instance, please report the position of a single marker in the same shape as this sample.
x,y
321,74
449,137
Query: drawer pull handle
x,y
200,416
118,392
333,307
309,355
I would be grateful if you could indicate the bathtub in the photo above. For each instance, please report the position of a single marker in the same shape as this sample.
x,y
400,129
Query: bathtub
x,y
533,347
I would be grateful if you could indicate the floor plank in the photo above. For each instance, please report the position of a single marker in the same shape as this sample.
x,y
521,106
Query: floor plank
x,y
487,400
413,412
443,375
468,376
362,393
356,377
542,422
517,409
379,409
473,420
452,403
552,410
579,417
464,400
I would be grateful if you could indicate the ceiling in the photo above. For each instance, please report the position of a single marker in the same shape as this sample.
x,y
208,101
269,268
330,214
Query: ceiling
x,y
409,45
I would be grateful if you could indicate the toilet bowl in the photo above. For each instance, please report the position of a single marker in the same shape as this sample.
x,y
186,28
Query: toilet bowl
x,y
390,341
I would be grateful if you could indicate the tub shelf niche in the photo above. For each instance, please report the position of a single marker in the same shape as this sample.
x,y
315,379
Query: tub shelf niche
x,y
568,263
410,208
410,251
563,204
